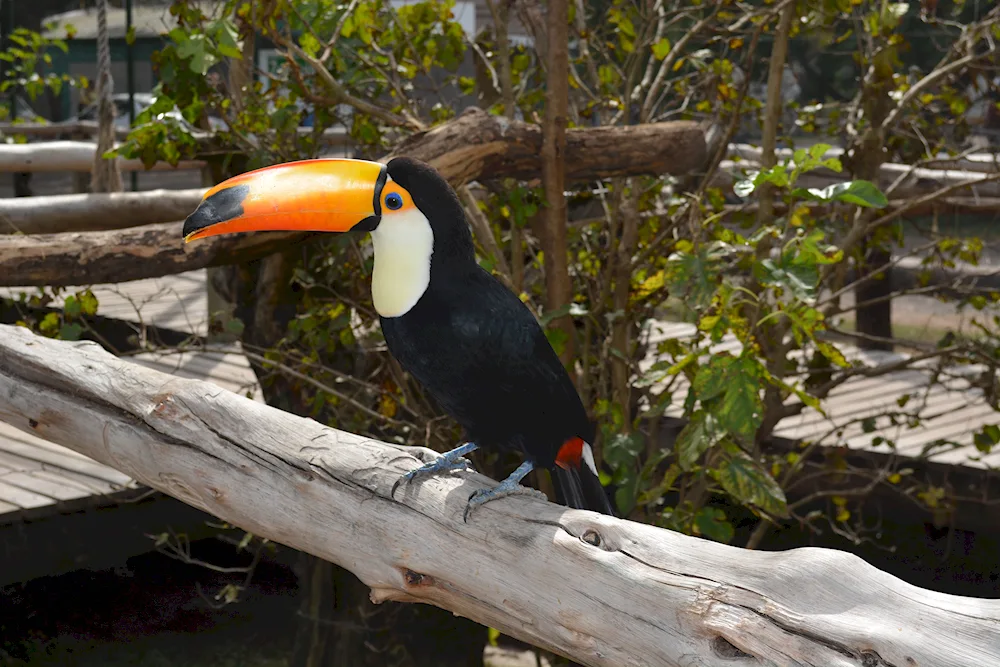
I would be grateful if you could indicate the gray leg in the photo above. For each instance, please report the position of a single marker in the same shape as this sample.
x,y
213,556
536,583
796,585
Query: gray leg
x,y
448,461
509,487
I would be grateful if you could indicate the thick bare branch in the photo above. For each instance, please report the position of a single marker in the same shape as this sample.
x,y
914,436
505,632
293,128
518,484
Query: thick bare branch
x,y
639,595
477,145
87,258
69,156
95,212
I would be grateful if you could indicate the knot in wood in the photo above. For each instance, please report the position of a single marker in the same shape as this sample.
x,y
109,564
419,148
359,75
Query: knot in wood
x,y
415,578
592,537
33,423
164,406
724,648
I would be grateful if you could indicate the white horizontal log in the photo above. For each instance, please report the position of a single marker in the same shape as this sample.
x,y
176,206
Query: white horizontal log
x,y
913,182
52,156
974,162
52,214
89,128
602,591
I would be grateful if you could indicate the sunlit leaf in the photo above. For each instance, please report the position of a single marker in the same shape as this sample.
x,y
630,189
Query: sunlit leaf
x,y
744,479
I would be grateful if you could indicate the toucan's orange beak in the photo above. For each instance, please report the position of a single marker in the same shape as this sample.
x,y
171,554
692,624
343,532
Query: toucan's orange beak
x,y
310,195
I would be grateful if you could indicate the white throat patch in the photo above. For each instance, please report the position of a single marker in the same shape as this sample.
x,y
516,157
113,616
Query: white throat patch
x,y
403,244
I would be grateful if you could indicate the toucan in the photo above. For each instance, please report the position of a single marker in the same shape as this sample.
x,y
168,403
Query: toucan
x,y
466,338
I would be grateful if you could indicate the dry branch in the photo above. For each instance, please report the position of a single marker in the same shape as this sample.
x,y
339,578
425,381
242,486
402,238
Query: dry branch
x,y
69,156
599,590
69,129
913,181
88,258
477,145
76,129
95,212
473,146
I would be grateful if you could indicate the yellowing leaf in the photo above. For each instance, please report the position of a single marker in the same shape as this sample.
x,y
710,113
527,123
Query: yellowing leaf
x,y
661,49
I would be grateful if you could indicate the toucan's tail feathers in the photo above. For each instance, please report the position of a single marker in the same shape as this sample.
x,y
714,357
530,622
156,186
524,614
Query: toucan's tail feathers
x,y
579,487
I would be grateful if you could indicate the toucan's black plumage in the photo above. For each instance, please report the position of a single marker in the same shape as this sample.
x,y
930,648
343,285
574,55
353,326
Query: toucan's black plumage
x,y
460,332
479,351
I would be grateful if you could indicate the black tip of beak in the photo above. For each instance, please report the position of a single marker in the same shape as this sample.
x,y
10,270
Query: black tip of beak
x,y
223,205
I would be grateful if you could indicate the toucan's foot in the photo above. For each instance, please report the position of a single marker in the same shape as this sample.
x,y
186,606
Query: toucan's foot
x,y
446,462
509,487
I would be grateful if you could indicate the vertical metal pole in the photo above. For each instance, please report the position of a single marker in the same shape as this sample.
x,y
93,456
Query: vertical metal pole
x,y
130,75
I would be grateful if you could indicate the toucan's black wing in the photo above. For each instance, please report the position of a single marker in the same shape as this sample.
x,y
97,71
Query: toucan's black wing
x,y
480,352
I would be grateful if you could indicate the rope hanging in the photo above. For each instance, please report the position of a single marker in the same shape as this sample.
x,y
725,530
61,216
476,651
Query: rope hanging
x,y
105,175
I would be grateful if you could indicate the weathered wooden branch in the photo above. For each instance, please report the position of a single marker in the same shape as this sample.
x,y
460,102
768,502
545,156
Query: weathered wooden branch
x,y
977,162
914,182
475,145
909,181
88,258
77,129
95,212
599,590
69,156
478,145
69,129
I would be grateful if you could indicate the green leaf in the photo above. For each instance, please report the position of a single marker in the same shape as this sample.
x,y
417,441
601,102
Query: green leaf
x,y
833,353
711,522
817,151
800,279
742,411
986,439
622,450
49,324
713,376
661,48
130,36
88,302
70,331
737,380
700,434
71,306
692,276
744,479
859,193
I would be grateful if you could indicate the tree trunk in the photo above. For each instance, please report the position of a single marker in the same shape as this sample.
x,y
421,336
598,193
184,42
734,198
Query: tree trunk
x,y
635,595
558,287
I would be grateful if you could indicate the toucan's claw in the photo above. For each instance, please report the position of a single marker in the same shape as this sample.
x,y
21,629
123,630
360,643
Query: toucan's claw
x,y
448,461
509,487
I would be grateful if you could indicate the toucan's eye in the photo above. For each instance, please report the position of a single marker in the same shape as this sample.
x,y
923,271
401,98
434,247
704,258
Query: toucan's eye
x,y
393,201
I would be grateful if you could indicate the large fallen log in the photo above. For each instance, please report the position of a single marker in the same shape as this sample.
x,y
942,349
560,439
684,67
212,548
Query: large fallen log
x,y
602,591
473,146
95,212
